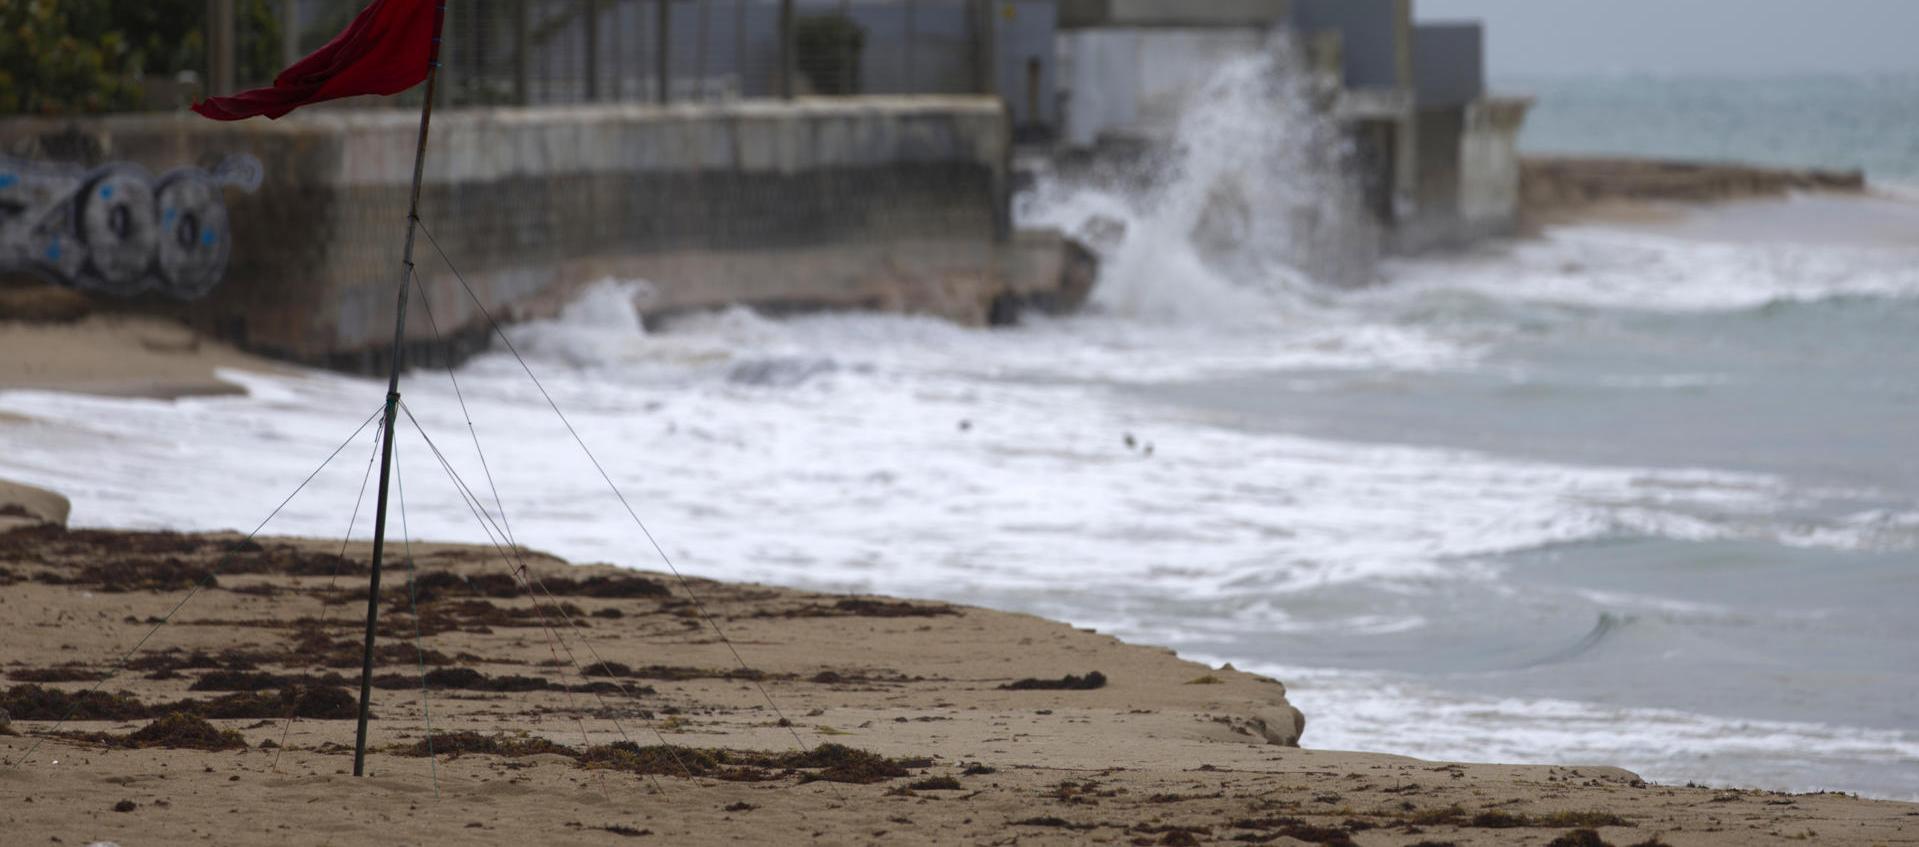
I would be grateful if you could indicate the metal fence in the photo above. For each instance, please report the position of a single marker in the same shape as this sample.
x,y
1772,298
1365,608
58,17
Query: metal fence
x,y
532,52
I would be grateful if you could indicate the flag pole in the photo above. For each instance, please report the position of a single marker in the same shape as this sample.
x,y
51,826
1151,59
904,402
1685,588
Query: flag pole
x,y
393,395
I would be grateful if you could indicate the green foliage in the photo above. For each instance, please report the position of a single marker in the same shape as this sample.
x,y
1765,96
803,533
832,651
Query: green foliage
x,y
74,56
829,48
49,66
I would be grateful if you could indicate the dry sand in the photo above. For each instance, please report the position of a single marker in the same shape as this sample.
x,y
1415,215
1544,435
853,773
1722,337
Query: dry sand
x,y
1166,752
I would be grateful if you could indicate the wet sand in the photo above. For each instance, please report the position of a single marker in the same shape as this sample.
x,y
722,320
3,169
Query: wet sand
x,y
118,355
942,745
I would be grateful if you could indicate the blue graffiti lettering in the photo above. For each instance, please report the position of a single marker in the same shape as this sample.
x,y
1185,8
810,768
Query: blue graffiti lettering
x,y
128,231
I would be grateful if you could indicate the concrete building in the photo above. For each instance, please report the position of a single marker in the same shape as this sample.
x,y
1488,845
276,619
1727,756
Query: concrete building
x,y
1434,152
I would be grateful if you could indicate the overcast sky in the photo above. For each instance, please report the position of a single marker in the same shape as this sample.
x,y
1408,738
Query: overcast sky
x,y
1743,37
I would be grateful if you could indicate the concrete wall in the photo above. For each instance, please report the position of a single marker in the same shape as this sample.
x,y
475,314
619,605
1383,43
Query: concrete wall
x,y
1469,175
1448,64
1133,81
891,203
1028,63
1375,38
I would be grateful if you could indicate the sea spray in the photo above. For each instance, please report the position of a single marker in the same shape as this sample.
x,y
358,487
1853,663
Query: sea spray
x,y
1248,203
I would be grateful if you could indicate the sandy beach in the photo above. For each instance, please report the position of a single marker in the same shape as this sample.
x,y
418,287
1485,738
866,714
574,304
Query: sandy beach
x,y
940,740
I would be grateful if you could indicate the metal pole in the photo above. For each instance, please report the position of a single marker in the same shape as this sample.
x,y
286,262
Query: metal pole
x,y
846,81
617,35
786,49
911,35
985,47
220,33
592,23
666,59
289,32
521,23
393,396
699,56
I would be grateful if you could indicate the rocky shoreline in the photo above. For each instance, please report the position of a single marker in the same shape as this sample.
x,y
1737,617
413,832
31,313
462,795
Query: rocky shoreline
x,y
1555,188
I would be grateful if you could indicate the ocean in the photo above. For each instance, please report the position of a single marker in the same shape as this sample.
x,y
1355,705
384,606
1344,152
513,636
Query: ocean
x,y
1837,121
1641,494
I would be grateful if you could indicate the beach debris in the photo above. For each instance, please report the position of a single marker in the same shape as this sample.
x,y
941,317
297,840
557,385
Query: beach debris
x,y
176,730
33,702
453,744
1579,838
1172,835
57,673
1068,682
1053,822
863,607
30,702
125,806
827,762
1294,828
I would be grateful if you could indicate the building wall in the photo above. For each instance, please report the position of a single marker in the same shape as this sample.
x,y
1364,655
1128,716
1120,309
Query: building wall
x,y
1375,38
890,203
1026,53
1132,81
1448,64
1177,13
1489,166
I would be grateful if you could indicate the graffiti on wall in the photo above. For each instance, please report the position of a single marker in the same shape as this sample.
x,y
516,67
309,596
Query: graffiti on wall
x,y
116,229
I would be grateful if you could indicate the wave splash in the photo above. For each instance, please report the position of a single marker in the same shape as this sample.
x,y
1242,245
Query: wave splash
x,y
1251,202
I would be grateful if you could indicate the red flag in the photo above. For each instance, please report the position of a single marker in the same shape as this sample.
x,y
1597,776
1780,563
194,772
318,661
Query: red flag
x,y
386,50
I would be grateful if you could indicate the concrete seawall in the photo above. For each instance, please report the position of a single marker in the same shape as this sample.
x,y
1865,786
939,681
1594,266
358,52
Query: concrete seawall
x,y
884,203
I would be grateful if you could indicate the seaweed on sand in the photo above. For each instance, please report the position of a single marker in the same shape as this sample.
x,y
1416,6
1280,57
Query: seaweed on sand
x,y
175,730
1069,682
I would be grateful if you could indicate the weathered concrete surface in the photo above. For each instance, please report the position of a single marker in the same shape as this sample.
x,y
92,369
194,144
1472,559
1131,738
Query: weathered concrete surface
x,y
1469,175
885,202
1489,166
